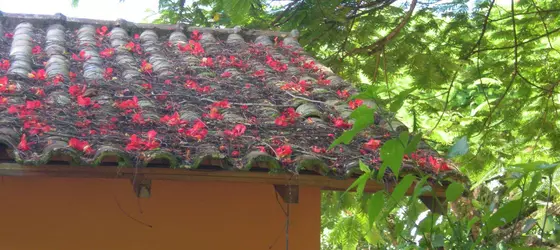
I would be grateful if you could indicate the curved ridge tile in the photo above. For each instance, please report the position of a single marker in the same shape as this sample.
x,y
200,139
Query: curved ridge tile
x,y
92,67
57,64
123,57
157,58
20,52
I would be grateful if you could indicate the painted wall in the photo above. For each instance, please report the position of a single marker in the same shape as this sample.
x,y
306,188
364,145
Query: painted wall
x,y
79,213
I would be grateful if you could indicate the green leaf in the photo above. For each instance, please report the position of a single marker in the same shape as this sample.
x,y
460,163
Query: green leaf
x,y
363,118
403,136
535,181
391,153
472,222
438,241
530,167
401,188
364,167
399,99
411,147
460,147
505,214
361,181
419,189
375,205
454,191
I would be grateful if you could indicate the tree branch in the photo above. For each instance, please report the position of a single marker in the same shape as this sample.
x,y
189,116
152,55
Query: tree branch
x,y
372,48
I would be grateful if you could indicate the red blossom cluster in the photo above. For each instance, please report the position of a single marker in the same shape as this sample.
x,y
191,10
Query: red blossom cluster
x,y
23,144
275,64
323,81
173,120
81,56
283,152
107,53
36,50
38,75
310,65
4,64
102,31
207,62
190,84
340,123
82,146
6,86
237,131
128,104
354,104
259,73
196,35
343,94
288,117
133,47
108,73
193,47
370,146
146,67
138,144
233,62
198,131
300,87
9,35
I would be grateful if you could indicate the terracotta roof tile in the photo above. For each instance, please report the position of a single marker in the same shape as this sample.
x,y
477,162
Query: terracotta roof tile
x,y
193,96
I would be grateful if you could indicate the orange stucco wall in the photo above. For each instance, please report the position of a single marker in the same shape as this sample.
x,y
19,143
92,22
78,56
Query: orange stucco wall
x,y
68,213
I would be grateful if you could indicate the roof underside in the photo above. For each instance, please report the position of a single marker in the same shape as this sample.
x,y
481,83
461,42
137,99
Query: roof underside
x,y
102,111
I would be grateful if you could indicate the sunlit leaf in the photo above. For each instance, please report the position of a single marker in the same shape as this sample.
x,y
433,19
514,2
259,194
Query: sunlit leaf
x,y
375,205
505,214
460,147
454,191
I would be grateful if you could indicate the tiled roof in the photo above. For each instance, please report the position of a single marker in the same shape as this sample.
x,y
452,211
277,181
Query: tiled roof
x,y
196,97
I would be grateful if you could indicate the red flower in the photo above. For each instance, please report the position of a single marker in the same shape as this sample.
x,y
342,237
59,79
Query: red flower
x,y
300,87
237,131
84,101
101,31
36,50
108,74
354,104
146,67
343,94
438,164
76,91
137,143
147,86
80,145
23,145
234,153
259,73
81,57
138,118
340,123
3,100
318,150
58,79
72,76
129,104
4,64
35,127
276,65
310,65
198,131
196,35
226,74
289,116
136,36
9,35
83,124
39,75
174,120
244,107
283,151
207,62
221,104
323,81
372,144
214,114
107,53
39,91
31,105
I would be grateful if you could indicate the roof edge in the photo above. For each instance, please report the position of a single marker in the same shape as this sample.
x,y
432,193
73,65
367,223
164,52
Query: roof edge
x,y
39,20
